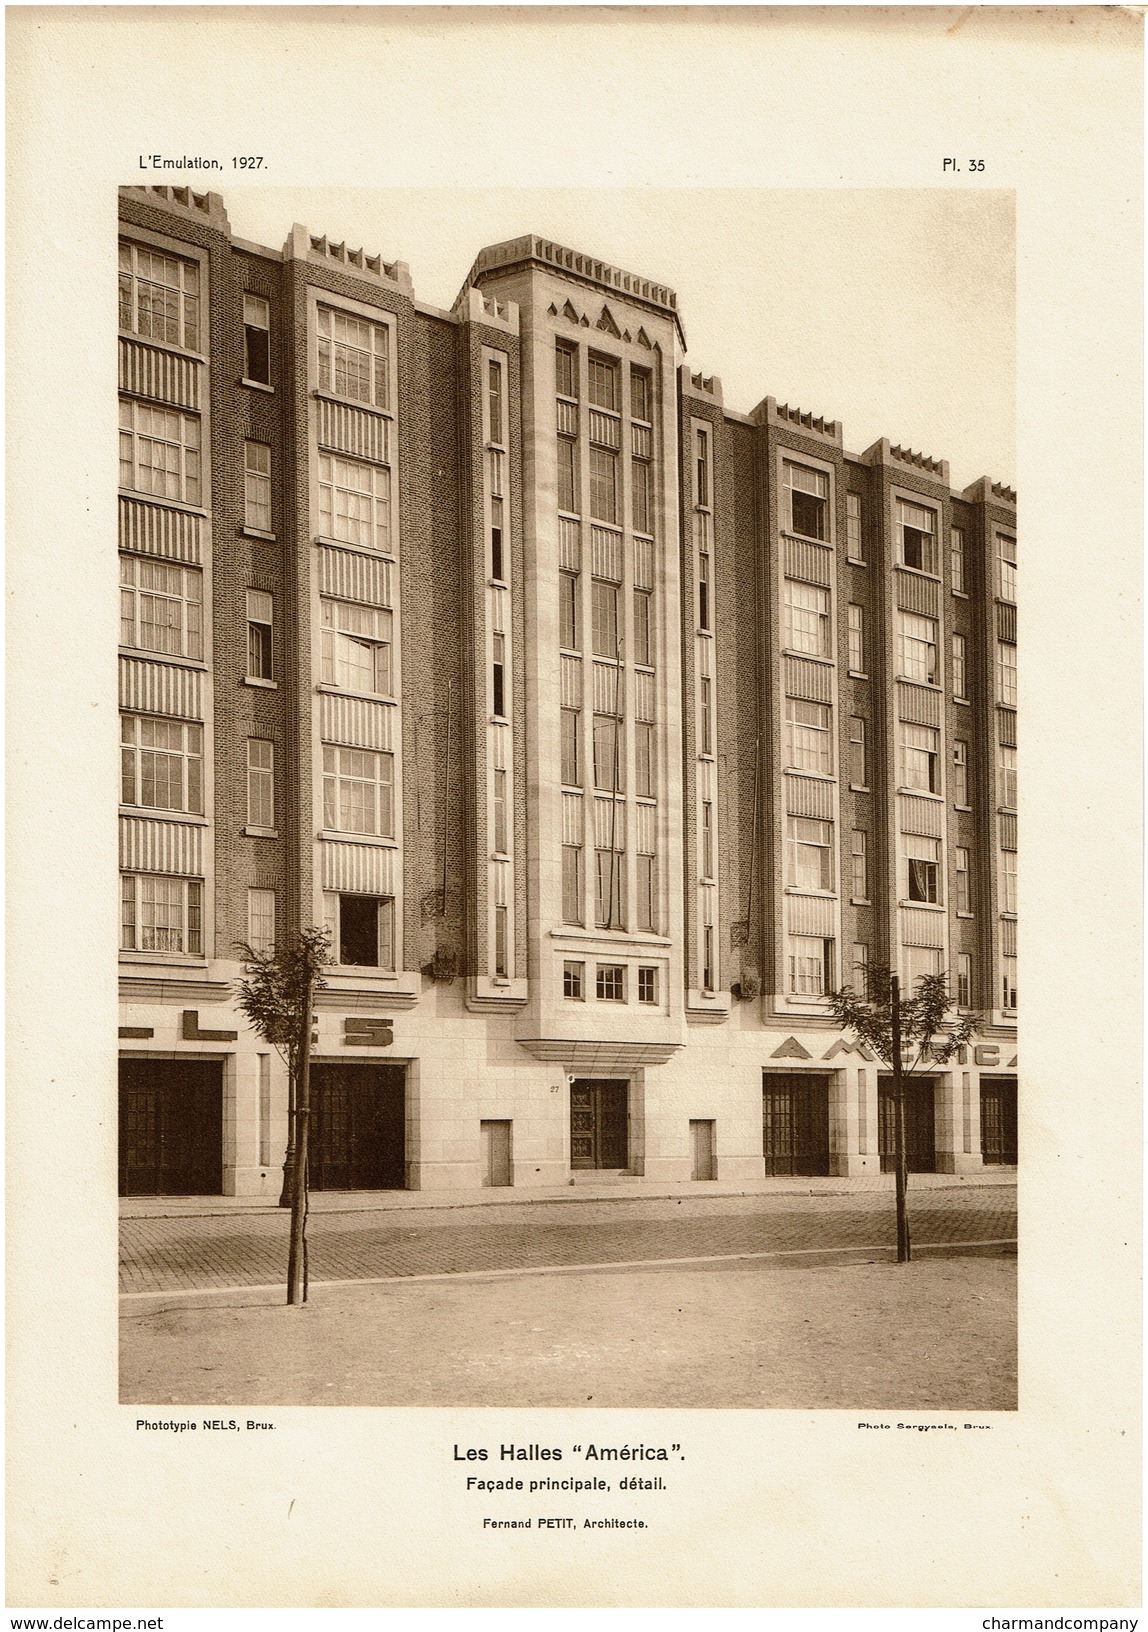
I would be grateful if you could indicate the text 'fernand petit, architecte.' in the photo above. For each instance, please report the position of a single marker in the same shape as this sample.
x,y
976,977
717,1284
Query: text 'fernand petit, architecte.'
x,y
608,729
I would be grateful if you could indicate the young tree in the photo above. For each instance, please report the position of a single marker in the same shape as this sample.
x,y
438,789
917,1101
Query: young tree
x,y
276,994
909,1035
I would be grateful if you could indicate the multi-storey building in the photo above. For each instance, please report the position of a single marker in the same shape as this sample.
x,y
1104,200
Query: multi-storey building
x,y
607,729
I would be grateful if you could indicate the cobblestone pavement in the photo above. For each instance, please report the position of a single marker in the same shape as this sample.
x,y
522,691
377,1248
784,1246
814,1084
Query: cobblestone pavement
x,y
173,1254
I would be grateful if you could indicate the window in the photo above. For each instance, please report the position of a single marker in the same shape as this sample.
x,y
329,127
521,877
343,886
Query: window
x,y
354,358
919,759
256,340
961,773
1008,881
573,976
701,468
808,500
706,839
706,741
861,968
810,853
260,783
159,452
923,856
854,537
964,881
643,759
1006,567
918,961
568,610
161,763
358,791
806,618
355,647
498,677
501,953
860,869
964,980
857,638
809,736
917,648
257,486
603,484
571,768
647,984
260,606
610,913
355,502
810,966
640,482
641,394
567,474
604,383
363,930
500,834
646,898
161,914
703,590
161,607
611,982
604,612
643,643
709,976
1006,788
609,767
1006,674
261,920
494,401
1008,983
159,296
566,370
858,759
496,538
960,671
917,536
957,559
572,883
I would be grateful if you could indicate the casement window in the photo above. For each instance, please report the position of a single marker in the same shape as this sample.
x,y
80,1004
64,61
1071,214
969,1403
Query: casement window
x,y
256,340
257,486
261,920
495,464
810,966
918,961
568,610
567,474
957,560
920,760
643,627
805,504
809,736
161,914
860,971
354,358
571,760
1008,983
496,563
641,394
923,859
1006,674
603,484
604,384
362,930
960,668
610,905
964,901
810,853
1008,880
709,974
573,979
917,648
355,647
1006,567
566,370
161,607
854,536
358,791
856,638
858,756
647,983
916,536
706,735
498,675
161,764
501,941
159,296
355,502
494,401
498,793
646,895
964,980
960,773
641,487
159,452
260,783
1006,784
806,618
706,840
859,863
643,759
604,617
260,613
610,980
609,754
572,884
703,590
701,468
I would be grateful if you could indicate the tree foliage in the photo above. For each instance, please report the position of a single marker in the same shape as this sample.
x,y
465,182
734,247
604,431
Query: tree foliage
x,y
273,991
928,1036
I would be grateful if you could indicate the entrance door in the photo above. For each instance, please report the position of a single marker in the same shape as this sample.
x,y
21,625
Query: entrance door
x,y
998,1121
920,1125
703,1156
358,1127
171,1127
795,1123
495,1153
599,1123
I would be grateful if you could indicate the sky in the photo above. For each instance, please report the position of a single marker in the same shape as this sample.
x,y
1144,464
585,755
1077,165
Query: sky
x,y
890,310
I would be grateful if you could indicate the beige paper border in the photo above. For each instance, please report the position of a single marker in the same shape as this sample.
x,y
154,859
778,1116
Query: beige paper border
x,y
788,1508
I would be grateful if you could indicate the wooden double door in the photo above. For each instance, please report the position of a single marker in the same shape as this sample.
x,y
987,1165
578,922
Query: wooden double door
x,y
795,1123
357,1139
920,1125
171,1127
599,1123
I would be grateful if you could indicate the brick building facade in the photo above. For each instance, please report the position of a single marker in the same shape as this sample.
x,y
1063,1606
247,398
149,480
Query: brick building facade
x,y
608,730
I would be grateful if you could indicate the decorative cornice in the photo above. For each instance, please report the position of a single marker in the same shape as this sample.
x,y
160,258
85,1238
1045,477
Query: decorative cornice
x,y
577,1054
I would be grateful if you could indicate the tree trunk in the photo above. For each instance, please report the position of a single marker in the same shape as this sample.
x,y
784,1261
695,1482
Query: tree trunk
x,y
904,1249
297,1255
